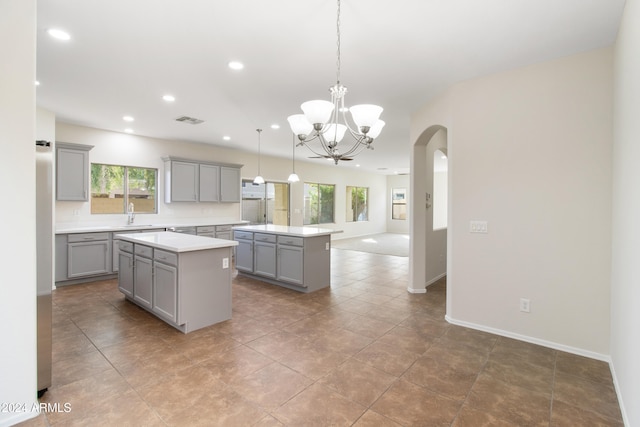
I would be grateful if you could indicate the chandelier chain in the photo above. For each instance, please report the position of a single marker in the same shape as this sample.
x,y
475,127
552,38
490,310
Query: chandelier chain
x,y
338,45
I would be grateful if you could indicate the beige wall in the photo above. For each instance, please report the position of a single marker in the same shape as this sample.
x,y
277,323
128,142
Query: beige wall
x,y
132,150
18,174
530,152
625,290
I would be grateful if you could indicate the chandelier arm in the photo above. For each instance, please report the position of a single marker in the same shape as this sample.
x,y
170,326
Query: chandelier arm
x,y
356,148
322,154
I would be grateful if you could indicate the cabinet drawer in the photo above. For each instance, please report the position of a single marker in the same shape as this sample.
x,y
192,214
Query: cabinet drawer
x,y
220,228
288,240
260,237
206,229
245,235
165,257
125,246
87,237
144,251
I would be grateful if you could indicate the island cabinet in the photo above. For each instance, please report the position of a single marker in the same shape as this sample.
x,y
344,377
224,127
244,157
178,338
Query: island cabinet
x,y
125,272
297,258
291,259
197,181
183,279
143,275
264,255
244,251
165,297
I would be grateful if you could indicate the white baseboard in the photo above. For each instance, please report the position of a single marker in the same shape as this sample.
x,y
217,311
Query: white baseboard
x,y
435,279
532,340
430,282
625,418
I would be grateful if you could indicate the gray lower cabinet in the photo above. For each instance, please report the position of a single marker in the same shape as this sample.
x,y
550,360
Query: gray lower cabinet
x,y
125,272
88,254
143,276
264,259
165,296
290,264
224,232
300,263
244,251
188,290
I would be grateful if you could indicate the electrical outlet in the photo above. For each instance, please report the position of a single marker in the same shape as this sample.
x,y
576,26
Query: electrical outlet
x,y
326,246
525,305
225,262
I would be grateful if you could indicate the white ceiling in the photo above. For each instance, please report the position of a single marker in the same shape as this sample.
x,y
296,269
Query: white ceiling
x,y
124,55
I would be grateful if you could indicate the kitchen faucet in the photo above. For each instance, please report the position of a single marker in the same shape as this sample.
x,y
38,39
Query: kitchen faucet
x,y
130,214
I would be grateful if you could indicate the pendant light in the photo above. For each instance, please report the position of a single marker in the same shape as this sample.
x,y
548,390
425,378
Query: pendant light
x,y
294,176
258,179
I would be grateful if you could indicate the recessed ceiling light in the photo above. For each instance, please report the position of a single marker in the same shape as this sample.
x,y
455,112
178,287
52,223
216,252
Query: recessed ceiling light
x,y
226,138
236,65
169,98
357,166
128,119
58,34
275,126
128,130
37,83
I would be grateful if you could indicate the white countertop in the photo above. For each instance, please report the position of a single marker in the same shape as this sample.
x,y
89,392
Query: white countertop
x,y
71,229
177,242
289,231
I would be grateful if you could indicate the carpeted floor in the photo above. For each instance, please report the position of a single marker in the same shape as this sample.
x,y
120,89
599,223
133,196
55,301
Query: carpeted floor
x,y
384,243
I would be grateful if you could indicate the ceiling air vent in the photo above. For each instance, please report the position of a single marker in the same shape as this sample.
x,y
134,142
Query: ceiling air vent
x,y
190,120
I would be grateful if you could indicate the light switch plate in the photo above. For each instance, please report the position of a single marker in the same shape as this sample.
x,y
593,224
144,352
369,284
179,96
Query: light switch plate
x,y
478,227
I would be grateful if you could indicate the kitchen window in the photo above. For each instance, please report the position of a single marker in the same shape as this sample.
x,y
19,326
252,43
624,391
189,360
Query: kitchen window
x,y
357,204
113,187
318,203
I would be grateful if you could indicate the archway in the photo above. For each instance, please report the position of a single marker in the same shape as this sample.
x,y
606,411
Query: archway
x,y
428,250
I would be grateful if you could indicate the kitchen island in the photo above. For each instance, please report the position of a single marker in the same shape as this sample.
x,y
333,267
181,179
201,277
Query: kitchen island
x,y
297,258
183,279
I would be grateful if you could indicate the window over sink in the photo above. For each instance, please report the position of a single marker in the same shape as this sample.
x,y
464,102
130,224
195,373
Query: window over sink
x,y
113,187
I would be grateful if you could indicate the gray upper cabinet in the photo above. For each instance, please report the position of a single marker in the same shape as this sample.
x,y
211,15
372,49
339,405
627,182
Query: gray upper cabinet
x,y
209,183
193,181
72,172
181,181
230,184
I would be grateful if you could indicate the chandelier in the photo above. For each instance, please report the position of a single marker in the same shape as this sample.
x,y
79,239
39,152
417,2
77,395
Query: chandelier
x,y
326,123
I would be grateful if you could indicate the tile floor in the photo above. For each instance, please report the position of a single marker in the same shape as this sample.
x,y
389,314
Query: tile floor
x,y
363,353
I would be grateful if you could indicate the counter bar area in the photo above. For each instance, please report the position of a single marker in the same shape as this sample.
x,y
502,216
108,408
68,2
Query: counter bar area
x,y
297,258
183,279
